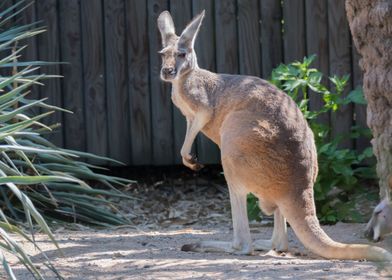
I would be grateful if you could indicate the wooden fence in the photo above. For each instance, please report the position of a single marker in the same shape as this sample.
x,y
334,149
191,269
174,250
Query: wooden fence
x,y
122,109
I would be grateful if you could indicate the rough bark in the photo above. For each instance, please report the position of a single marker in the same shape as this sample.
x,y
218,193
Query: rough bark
x,y
371,27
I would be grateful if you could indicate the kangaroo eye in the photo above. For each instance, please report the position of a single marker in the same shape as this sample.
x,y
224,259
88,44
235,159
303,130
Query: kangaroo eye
x,y
181,55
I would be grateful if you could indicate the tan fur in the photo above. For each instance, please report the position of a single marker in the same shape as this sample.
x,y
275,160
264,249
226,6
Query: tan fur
x,y
267,148
380,224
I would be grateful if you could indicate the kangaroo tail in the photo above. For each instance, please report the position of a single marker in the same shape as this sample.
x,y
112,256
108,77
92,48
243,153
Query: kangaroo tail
x,y
301,215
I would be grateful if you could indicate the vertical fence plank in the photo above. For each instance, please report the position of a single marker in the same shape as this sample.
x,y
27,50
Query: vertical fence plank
x,y
317,43
31,52
116,81
360,110
207,151
5,4
249,38
72,83
138,81
49,50
181,12
340,63
226,36
162,125
294,30
271,35
94,83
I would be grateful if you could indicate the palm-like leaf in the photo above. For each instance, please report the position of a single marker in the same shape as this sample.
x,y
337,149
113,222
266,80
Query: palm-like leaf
x,y
39,181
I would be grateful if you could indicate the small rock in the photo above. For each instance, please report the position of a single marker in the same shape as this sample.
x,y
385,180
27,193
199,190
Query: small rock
x,y
118,255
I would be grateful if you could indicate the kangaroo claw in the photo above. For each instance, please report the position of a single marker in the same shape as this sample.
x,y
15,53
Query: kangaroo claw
x,y
192,163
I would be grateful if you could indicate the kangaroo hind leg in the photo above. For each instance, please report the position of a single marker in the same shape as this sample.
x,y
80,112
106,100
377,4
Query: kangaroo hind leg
x,y
279,240
241,243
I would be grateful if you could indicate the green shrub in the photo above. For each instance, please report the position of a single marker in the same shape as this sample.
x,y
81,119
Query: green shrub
x,y
339,169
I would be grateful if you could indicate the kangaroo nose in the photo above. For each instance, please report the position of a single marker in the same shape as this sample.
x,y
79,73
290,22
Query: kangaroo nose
x,y
168,71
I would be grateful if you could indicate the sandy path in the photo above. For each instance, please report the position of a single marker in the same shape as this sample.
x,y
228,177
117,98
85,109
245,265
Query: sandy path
x,y
154,254
173,212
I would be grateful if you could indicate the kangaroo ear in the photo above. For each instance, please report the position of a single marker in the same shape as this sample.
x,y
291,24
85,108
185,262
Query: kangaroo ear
x,y
188,36
166,27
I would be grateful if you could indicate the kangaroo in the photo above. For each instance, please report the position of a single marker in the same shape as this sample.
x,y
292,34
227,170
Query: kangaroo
x,y
267,148
380,224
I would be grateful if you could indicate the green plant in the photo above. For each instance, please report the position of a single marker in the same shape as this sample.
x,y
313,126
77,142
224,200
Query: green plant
x,y
40,182
254,212
339,169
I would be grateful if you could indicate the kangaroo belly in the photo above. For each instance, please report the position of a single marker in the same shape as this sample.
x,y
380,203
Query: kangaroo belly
x,y
270,158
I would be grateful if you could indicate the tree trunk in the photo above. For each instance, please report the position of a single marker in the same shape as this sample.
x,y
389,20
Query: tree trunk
x,y
371,26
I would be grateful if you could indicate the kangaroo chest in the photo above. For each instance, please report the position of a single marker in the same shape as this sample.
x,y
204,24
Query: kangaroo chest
x,y
180,101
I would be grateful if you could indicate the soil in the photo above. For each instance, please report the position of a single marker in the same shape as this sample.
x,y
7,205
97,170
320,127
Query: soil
x,y
129,253
171,212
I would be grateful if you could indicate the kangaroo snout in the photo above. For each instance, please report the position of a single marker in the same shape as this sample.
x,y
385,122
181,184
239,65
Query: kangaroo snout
x,y
168,73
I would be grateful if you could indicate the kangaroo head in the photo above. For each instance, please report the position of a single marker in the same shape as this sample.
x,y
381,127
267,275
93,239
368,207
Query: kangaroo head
x,y
178,55
380,224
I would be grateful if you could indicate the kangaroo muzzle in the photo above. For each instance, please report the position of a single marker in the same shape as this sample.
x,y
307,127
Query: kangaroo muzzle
x,y
168,73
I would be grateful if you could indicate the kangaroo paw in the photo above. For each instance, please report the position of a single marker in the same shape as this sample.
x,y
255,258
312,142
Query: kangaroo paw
x,y
191,162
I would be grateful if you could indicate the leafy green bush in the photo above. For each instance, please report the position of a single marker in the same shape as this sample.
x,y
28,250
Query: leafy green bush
x,y
39,181
339,169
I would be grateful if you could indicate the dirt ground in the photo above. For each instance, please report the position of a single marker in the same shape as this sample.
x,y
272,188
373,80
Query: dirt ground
x,y
169,213
155,254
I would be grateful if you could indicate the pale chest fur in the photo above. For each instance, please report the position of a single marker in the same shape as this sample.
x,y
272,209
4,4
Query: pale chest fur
x,y
195,107
179,99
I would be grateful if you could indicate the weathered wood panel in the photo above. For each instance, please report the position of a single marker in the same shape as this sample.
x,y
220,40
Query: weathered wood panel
x,y
207,151
94,76
340,64
49,50
226,36
161,106
271,35
72,83
119,137
181,12
123,110
138,81
317,43
294,30
31,52
249,38
5,5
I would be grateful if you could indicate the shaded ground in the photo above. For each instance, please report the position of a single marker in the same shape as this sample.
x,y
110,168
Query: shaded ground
x,y
154,254
171,212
